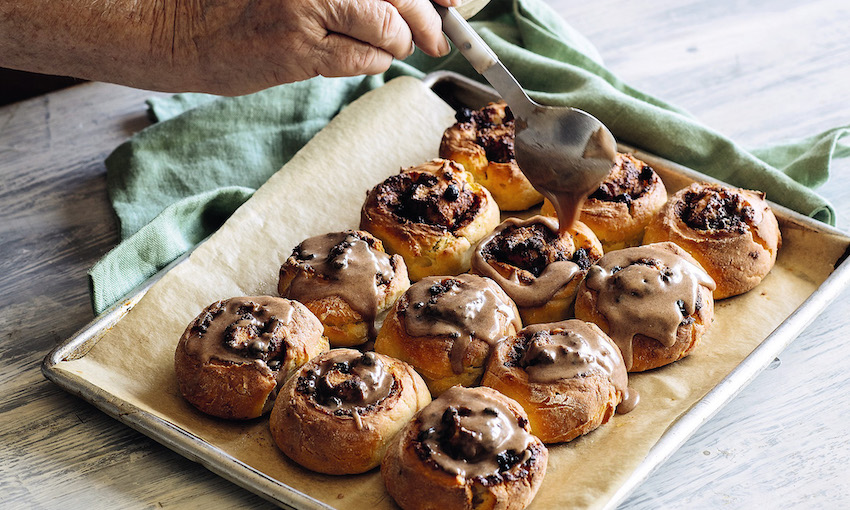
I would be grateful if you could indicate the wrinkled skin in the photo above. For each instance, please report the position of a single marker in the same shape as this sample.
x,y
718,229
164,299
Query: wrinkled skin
x,y
228,47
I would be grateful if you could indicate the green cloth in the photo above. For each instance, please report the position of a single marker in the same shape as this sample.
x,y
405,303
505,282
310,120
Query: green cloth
x,y
175,182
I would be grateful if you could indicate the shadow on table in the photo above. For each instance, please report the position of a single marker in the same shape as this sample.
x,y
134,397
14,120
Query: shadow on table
x,y
19,85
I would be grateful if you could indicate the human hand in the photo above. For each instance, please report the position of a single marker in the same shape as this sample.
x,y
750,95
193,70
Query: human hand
x,y
241,46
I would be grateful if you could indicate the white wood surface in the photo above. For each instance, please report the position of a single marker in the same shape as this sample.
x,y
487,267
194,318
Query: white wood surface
x,y
758,70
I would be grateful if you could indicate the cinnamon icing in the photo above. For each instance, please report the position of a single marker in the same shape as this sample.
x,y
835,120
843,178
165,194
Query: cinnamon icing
x,y
646,290
461,307
347,382
242,330
345,264
568,190
541,261
564,350
470,434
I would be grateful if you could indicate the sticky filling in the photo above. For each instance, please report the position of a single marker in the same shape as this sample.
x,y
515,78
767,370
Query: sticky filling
x,y
715,209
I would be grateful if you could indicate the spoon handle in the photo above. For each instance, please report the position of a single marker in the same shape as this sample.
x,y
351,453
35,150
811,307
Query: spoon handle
x,y
466,39
485,61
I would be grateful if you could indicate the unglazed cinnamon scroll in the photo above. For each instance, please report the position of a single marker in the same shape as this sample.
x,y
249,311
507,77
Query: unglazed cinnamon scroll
x,y
337,414
483,142
446,326
236,353
538,267
654,301
432,215
470,448
732,232
347,280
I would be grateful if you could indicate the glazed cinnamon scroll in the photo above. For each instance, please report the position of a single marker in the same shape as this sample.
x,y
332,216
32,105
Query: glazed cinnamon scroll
x,y
654,301
569,376
337,414
732,232
483,142
470,448
347,280
432,215
446,326
538,267
619,210
235,354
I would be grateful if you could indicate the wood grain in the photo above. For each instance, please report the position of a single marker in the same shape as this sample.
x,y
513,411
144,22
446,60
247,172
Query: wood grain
x,y
759,71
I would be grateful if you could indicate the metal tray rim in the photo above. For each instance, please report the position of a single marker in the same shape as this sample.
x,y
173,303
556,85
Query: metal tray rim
x,y
276,491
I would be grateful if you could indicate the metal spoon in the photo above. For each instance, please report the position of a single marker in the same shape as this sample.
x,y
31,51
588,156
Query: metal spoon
x,y
564,152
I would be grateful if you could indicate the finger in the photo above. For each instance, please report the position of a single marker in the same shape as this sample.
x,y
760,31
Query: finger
x,y
374,22
449,3
340,55
425,24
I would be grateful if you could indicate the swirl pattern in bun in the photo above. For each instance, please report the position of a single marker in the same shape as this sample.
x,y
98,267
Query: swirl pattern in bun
x,y
569,377
237,352
538,267
731,232
654,301
337,414
347,280
619,210
432,215
483,142
445,326
471,448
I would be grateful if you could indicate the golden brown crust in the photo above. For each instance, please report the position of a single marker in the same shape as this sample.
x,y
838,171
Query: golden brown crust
x,y
432,355
415,484
236,387
483,142
561,410
432,215
732,232
649,353
519,256
340,443
624,204
343,325
223,389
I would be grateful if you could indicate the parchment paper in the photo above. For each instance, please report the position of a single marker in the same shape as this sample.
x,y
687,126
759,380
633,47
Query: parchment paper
x,y
321,190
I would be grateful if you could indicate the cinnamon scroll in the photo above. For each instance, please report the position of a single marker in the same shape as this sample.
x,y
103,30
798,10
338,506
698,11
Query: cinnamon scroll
x,y
619,210
337,414
483,142
654,301
432,215
471,448
538,267
445,326
237,352
732,232
569,377
347,280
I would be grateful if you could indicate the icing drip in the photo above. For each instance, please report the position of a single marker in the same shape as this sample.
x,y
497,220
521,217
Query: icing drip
x,y
461,307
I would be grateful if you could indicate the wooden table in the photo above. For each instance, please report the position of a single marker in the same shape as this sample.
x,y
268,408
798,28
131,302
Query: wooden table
x,y
759,71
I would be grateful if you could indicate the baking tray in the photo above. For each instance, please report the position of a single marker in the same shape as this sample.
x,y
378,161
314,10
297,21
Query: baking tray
x,y
459,91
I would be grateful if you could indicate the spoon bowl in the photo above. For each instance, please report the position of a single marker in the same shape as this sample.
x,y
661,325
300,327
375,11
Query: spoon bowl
x,y
564,152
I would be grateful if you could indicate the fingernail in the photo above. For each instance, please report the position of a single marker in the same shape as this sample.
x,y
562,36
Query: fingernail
x,y
412,48
445,48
